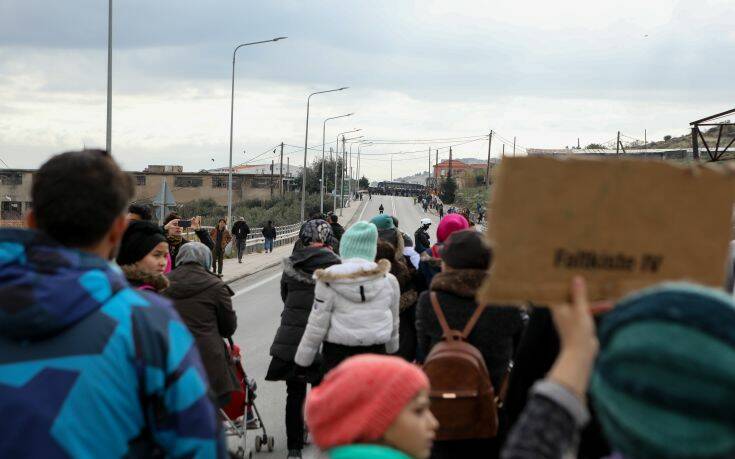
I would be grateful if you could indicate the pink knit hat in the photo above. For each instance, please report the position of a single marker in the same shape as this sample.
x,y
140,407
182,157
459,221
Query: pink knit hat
x,y
450,224
358,400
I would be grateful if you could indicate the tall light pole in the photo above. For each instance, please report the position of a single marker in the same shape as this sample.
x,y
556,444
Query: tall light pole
x,y
337,161
321,187
232,115
108,140
306,148
349,182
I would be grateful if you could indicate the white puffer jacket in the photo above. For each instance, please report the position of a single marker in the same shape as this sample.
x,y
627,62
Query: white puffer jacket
x,y
356,303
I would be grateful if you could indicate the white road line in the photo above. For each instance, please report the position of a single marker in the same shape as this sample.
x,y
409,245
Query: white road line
x,y
393,203
363,211
257,284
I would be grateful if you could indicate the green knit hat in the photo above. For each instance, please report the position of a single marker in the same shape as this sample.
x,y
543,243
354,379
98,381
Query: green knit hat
x,y
664,383
360,241
383,222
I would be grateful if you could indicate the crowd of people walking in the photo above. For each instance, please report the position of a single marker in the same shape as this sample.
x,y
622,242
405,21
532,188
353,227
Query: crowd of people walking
x,y
113,335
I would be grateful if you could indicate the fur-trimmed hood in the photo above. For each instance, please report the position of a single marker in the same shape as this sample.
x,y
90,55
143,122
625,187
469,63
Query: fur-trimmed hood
x,y
138,278
300,266
355,279
461,282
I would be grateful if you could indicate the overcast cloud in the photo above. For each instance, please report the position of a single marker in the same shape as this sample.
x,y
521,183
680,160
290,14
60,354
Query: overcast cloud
x,y
546,72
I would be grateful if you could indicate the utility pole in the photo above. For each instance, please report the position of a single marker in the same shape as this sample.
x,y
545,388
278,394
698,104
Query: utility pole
x,y
489,146
281,169
578,147
344,169
429,162
617,145
288,169
503,151
391,167
336,163
449,174
108,142
271,179
514,146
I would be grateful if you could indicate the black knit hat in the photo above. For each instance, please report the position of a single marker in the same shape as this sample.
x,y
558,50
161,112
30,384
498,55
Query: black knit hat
x,y
466,249
139,239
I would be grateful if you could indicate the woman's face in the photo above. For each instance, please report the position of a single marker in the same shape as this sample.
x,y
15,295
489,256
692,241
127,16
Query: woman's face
x,y
155,261
414,429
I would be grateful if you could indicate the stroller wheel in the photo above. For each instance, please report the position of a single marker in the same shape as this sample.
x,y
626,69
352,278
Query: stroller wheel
x,y
271,443
258,443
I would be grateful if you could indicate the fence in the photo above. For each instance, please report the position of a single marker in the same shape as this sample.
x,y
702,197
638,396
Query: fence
x,y
255,242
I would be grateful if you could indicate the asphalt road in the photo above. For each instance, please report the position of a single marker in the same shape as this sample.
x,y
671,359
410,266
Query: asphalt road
x,y
258,305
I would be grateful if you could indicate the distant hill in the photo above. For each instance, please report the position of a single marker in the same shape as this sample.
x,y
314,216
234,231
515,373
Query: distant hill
x,y
685,141
420,177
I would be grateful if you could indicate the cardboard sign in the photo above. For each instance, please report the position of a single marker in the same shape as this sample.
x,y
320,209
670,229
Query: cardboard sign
x,y
621,223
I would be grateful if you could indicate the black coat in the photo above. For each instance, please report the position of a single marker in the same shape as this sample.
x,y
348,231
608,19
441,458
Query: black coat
x,y
494,333
421,240
337,230
297,293
240,230
269,232
204,304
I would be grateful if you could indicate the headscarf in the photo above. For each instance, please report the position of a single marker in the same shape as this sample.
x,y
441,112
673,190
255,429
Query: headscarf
x,y
316,231
194,252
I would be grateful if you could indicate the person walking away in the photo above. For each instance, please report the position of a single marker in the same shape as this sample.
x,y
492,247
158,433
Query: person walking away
x,y
297,293
143,256
221,237
465,261
269,235
241,230
372,407
175,238
430,263
337,229
409,296
423,240
441,211
91,367
204,303
381,208
356,304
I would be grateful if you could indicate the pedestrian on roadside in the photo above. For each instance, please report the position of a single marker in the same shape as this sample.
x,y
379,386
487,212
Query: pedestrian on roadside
x,y
175,238
356,304
269,236
143,256
337,229
204,303
465,261
441,211
297,293
241,230
221,237
372,407
381,209
91,367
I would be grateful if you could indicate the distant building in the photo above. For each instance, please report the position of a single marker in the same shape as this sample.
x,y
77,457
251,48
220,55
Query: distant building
x,y
15,186
466,174
669,154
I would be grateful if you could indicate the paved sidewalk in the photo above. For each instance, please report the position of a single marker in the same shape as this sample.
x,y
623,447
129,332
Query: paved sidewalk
x,y
256,262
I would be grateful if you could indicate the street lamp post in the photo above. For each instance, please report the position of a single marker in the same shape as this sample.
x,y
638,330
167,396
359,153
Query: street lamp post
x,y
335,166
324,131
108,140
346,172
306,148
232,114
349,182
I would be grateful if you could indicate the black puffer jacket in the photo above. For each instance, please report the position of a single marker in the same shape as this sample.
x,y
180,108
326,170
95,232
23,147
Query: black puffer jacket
x,y
495,331
297,293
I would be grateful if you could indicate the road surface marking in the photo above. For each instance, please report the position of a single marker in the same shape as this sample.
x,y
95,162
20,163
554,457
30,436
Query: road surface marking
x,y
393,203
257,284
363,211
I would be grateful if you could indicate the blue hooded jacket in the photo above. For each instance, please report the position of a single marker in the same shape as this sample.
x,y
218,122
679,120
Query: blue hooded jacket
x,y
90,367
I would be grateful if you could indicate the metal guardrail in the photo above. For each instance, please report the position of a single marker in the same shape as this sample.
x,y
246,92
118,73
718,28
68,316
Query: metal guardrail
x,y
255,241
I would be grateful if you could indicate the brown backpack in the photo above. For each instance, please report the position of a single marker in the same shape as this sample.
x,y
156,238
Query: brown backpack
x,y
462,395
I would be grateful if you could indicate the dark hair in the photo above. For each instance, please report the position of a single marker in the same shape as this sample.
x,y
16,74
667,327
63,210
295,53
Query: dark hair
x,y
170,217
333,218
143,210
77,196
395,221
222,220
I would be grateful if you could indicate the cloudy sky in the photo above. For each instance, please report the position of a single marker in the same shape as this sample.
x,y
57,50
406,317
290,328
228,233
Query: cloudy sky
x,y
545,72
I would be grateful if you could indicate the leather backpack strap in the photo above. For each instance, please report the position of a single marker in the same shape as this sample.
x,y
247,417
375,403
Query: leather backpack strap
x,y
440,315
503,392
473,321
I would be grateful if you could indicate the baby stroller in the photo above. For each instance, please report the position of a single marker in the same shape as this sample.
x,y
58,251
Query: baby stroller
x,y
241,414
